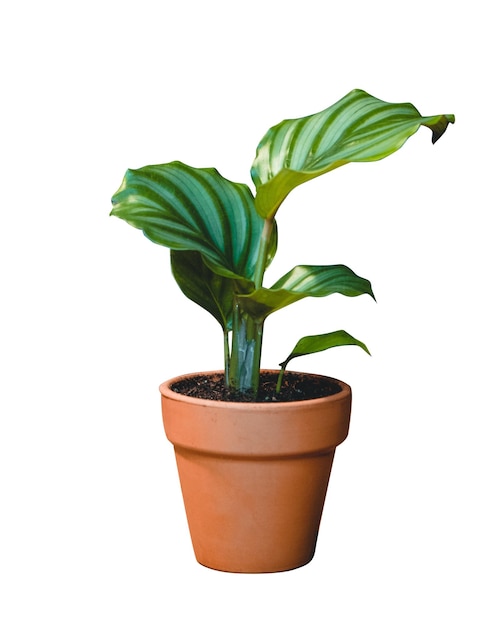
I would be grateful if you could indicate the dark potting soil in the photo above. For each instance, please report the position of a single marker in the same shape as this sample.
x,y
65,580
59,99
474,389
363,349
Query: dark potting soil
x,y
295,386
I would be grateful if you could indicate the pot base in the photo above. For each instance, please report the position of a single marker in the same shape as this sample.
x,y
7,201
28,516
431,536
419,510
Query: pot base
x,y
253,515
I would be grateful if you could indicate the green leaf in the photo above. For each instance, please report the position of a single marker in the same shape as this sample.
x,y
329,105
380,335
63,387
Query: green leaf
x,y
323,280
186,208
305,281
357,128
200,284
318,343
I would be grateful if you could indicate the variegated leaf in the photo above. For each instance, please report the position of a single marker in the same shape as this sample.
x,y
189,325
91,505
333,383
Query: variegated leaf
x,y
358,127
186,208
305,281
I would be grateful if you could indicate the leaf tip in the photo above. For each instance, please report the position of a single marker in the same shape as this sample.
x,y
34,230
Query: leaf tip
x,y
440,127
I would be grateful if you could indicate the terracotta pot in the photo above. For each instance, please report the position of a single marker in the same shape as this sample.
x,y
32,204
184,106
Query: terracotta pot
x,y
254,475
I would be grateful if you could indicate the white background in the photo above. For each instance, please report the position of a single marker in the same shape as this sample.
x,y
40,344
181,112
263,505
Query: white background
x,y
92,522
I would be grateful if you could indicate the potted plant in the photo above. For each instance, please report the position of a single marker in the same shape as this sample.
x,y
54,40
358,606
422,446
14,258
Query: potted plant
x,y
254,447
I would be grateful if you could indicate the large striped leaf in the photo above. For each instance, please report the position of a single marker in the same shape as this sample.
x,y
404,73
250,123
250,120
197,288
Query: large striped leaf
x,y
305,281
186,208
357,128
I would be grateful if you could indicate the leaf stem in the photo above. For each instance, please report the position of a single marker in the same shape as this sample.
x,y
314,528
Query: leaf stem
x,y
280,377
226,359
263,252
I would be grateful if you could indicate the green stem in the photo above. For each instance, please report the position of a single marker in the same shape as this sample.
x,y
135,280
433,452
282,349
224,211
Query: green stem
x,y
263,252
247,331
226,359
280,377
247,339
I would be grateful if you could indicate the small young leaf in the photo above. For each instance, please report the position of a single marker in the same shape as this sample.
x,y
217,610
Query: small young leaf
x,y
318,343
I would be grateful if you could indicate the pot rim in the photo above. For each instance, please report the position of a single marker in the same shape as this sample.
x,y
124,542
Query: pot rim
x,y
167,392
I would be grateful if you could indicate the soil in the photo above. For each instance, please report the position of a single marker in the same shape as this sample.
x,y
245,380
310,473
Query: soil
x,y
295,386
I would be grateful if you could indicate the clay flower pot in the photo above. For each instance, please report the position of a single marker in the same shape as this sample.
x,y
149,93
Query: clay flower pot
x,y
254,475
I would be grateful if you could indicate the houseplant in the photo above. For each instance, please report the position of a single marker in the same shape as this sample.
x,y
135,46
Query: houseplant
x,y
222,239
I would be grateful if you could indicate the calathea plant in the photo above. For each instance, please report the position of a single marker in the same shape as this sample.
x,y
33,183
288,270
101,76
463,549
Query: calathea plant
x,y
222,237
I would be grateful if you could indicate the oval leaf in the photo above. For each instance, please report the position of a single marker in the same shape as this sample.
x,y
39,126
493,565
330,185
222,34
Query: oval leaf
x,y
200,284
305,281
357,128
186,208
323,280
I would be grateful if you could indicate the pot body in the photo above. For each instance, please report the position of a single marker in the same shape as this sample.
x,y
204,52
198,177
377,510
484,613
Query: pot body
x,y
254,475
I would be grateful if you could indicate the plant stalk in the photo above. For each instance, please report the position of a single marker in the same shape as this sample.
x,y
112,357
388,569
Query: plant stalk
x,y
247,340
247,331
